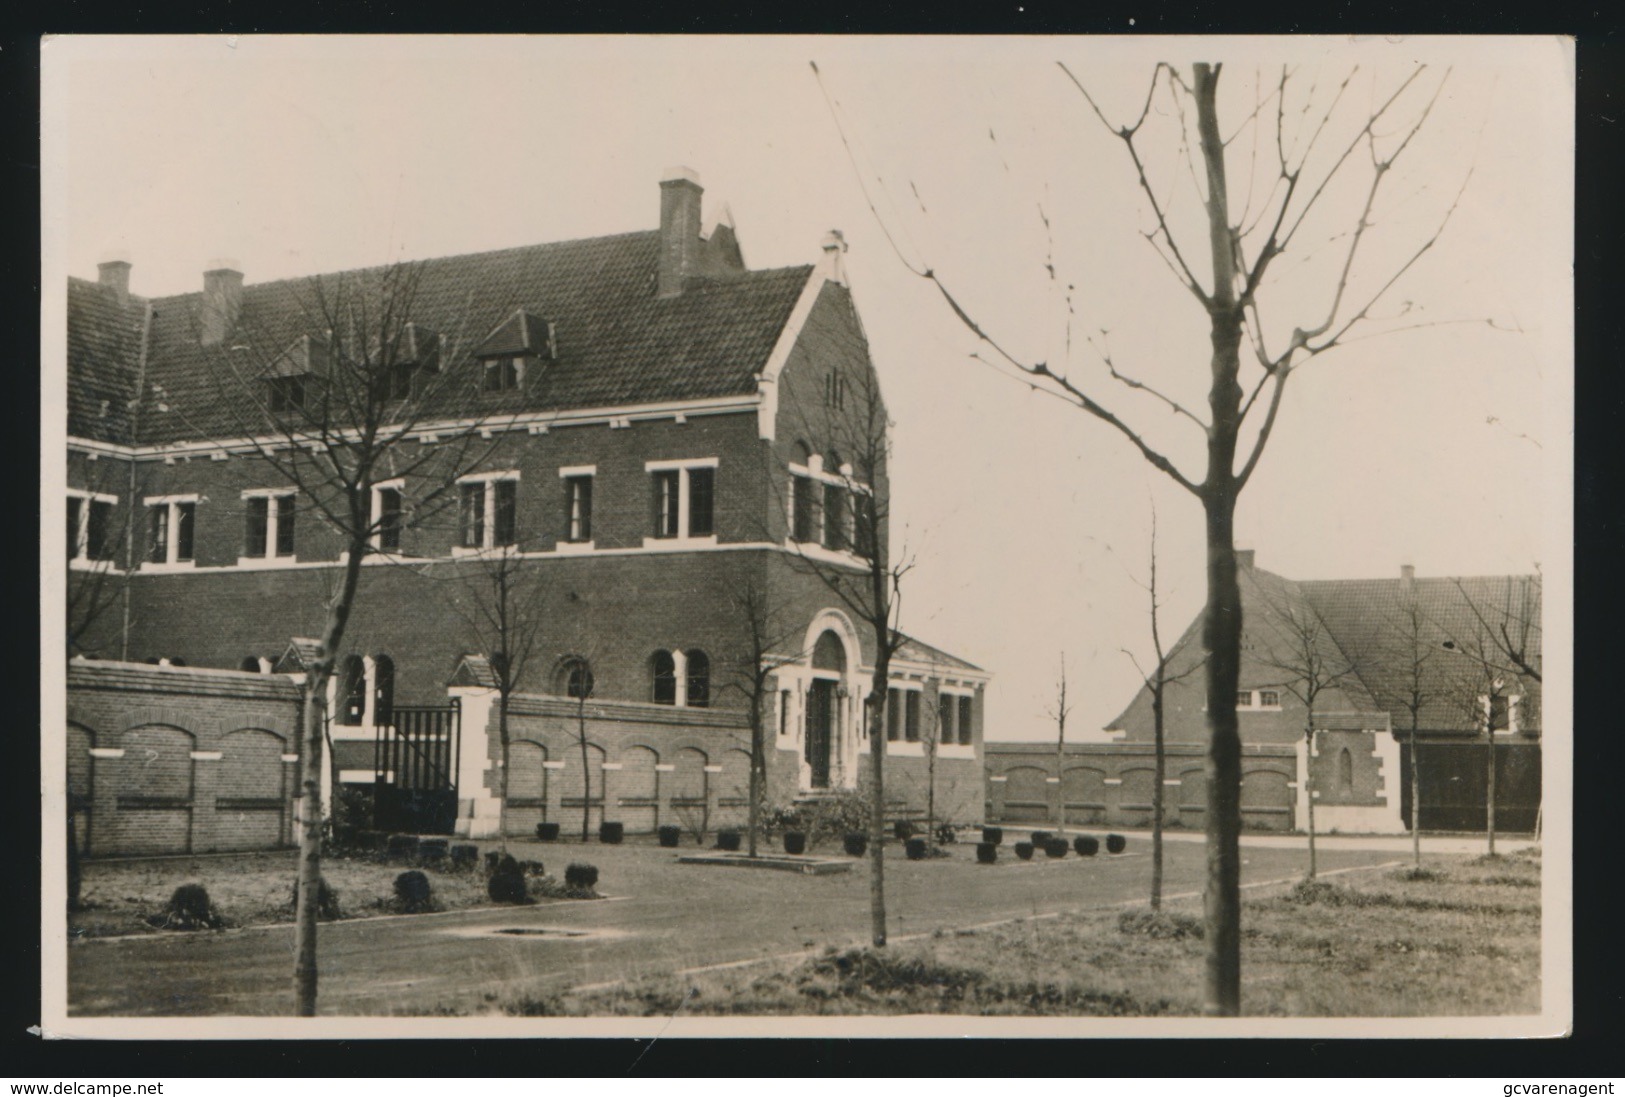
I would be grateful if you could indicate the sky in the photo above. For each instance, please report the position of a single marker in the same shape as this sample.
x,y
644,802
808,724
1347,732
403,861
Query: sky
x,y
1438,437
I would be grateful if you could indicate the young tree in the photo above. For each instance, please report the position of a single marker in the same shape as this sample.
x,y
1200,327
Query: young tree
x,y
1409,648
1310,662
498,598
336,402
771,641
854,564
1059,714
576,671
1243,243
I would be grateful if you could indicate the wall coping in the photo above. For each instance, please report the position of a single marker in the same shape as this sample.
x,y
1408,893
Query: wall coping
x,y
101,674
1172,750
537,704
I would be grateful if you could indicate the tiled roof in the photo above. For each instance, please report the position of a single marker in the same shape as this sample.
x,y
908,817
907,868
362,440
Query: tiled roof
x,y
617,343
918,651
104,349
474,670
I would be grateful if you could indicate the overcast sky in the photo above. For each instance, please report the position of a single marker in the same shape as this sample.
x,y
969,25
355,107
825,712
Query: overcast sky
x,y
1441,446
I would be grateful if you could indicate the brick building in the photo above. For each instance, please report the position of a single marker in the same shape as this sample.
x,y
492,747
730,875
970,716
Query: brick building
x,y
661,429
1385,647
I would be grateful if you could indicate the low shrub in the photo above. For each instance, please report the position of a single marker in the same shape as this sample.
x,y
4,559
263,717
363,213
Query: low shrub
x,y
1086,845
855,844
1419,875
915,847
987,852
993,836
492,860
1055,847
464,857
1116,843
1024,850
1164,924
947,835
669,836
1502,881
507,884
327,901
547,832
1041,838
401,848
903,829
533,868
581,876
548,887
611,833
432,851
827,819
412,892
728,840
189,908
502,864
795,842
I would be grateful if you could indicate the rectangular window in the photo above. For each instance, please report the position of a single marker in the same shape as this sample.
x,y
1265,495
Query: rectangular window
x,y
169,531
863,521
701,485
389,518
964,720
98,529
894,714
472,516
802,502
504,374
399,381
666,503
283,506
507,501
1244,698
578,496
257,529
286,393
945,718
834,517
911,714
1269,698
784,713
75,512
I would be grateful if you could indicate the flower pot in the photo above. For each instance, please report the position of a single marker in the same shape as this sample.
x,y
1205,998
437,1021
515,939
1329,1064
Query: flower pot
x,y
855,844
987,852
611,833
1086,845
903,829
795,842
669,836
1055,847
728,840
915,848
993,836
1024,850
547,832
1116,843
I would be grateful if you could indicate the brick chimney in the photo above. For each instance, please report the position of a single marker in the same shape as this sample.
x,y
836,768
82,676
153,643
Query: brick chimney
x,y
1244,559
222,301
1407,573
114,273
680,192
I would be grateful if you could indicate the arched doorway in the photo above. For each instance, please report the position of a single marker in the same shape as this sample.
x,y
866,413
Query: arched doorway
x,y
823,705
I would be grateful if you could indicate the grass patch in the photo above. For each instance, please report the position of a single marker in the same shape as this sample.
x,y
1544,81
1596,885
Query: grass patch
x,y
1374,944
1417,874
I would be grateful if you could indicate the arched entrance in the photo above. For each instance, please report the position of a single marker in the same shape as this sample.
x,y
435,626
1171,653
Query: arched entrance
x,y
823,706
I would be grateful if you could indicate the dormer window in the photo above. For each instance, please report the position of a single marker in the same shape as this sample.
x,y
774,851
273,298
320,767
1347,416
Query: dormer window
x,y
286,393
514,351
289,384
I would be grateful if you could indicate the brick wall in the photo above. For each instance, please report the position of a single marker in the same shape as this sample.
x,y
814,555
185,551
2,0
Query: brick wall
x,y
172,760
1111,784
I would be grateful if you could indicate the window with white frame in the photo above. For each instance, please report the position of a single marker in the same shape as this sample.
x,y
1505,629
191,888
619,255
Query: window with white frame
x,y
1244,698
578,503
90,526
170,522
803,509
385,516
1269,698
903,714
487,511
504,374
269,523
683,500
964,723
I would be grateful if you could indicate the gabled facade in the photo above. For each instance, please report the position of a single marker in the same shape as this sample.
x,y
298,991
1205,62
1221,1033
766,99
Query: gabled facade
x,y
659,429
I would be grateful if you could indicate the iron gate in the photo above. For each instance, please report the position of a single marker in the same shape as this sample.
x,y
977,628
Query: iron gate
x,y
415,770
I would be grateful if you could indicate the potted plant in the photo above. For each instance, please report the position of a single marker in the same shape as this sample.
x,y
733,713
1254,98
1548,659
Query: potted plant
x,y
993,835
1024,850
547,832
987,852
728,840
795,842
669,836
856,843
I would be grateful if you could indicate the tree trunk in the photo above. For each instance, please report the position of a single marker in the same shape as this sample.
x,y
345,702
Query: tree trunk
x,y
1416,801
876,716
753,809
1159,771
1489,806
586,769
1309,792
502,769
931,792
1222,638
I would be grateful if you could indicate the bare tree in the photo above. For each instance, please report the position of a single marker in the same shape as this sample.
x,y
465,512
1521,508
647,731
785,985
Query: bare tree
x,y
335,401
1243,242
498,598
769,643
1059,714
1508,628
1310,663
853,562
1409,648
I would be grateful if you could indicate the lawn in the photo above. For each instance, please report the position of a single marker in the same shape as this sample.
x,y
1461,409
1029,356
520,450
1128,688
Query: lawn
x,y
1365,944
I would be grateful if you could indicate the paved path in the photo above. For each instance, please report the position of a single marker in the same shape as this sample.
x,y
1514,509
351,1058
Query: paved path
x,y
669,917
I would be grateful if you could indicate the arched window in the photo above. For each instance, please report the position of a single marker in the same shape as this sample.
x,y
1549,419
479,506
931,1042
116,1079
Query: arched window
x,y
1345,771
251,664
828,652
699,679
664,670
575,677
383,690
352,691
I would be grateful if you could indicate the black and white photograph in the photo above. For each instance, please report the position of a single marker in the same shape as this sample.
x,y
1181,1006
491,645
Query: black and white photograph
x,y
716,536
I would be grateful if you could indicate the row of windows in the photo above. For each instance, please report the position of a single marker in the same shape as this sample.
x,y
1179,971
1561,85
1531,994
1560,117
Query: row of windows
x,y
90,528
1261,698
903,717
682,504
822,513
694,678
